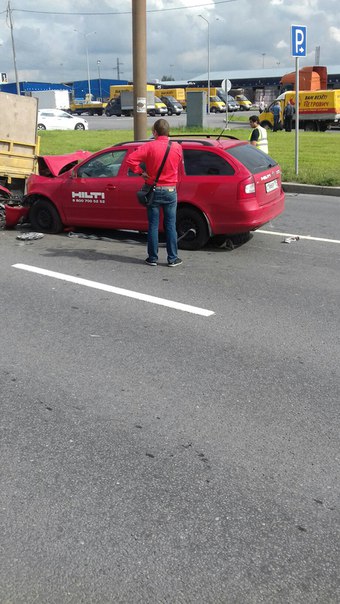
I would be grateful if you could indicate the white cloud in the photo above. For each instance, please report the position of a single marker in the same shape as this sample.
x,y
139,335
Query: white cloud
x,y
335,33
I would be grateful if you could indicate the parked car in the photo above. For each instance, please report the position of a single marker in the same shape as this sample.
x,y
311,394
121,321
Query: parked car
x,y
56,119
173,106
226,187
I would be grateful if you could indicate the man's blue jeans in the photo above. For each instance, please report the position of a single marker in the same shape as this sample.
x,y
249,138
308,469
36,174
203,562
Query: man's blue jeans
x,y
167,200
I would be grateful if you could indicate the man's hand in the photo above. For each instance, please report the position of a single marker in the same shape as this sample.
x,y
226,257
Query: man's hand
x,y
145,175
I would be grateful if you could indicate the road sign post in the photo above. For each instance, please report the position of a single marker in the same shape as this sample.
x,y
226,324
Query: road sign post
x,y
299,49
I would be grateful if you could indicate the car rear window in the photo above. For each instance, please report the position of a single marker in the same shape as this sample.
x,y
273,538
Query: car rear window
x,y
204,163
255,160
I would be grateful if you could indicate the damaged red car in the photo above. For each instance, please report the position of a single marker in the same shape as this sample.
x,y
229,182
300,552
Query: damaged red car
x,y
226,188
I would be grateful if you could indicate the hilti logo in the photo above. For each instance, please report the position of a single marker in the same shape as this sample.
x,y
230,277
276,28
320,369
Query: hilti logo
x,y
84,197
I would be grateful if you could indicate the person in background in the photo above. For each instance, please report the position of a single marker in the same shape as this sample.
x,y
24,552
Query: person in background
x,y
151,155
276,111
258,136
288,114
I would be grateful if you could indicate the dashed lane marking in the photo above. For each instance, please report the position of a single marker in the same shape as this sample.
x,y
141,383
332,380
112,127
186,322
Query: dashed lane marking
x,y
117,290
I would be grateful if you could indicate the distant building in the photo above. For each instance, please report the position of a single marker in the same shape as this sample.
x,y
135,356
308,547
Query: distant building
x,y
257,83
100,88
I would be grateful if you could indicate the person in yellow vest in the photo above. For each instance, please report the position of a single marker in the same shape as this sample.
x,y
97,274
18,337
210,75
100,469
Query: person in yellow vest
x,y
258,135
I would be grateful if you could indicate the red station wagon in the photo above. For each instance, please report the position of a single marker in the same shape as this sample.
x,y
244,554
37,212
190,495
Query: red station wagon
x,y
227,187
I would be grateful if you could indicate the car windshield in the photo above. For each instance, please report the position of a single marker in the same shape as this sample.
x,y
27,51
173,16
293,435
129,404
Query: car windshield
x,y
215,99
231,99
255,160
171,98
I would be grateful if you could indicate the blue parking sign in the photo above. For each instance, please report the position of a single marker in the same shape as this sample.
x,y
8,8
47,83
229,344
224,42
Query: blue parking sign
x,y
299,40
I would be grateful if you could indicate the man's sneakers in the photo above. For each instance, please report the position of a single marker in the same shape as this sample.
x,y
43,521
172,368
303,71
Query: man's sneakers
x,y
176,262
150,262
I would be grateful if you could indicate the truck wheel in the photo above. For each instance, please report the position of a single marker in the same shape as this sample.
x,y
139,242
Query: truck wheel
x,y
44,217
213,110
266,125
192,227
79,126
310,127
41,127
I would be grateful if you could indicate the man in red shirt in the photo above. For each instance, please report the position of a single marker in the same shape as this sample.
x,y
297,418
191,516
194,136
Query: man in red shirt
x,y
151,155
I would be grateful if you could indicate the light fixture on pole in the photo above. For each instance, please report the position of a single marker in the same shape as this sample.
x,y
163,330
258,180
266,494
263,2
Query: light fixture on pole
x,y
87,58
208,24
99,79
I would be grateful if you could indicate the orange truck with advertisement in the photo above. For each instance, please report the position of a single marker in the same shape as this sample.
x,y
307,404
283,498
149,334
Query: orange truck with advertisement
x,y
318,109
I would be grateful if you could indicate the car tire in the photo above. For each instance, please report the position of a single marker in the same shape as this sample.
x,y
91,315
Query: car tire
x,y
213,110
79,126
189,218
41,127
170,112
44,217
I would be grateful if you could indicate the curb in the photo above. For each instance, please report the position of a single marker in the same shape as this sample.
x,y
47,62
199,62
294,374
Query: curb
x,y
293,187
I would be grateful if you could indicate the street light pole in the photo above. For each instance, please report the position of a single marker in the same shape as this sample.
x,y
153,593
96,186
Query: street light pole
x,y
87,59
208,24
99,79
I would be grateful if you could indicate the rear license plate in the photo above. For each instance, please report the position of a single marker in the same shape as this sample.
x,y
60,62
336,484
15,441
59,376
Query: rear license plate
x,y
271,186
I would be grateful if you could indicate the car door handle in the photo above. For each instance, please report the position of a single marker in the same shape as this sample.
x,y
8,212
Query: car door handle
x,y
110,187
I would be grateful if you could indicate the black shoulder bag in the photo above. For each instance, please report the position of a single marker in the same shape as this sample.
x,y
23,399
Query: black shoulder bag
x,y
146,194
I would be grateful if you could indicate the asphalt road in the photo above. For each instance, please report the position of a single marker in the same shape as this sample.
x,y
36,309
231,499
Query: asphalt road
x,y
126,123
150,454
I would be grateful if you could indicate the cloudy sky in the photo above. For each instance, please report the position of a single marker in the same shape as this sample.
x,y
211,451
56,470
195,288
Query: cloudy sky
x,y
51,36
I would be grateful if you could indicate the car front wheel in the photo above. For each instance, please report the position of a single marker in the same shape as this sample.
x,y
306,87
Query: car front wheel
x,y
41,127
79,126
44,217
192,229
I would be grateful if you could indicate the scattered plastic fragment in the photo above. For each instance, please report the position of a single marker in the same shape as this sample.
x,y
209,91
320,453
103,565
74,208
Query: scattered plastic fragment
x,y
291,239
29,236
85,236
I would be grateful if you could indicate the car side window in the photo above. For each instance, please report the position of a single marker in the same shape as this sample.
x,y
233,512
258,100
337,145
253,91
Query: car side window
x,y
105,165
199,162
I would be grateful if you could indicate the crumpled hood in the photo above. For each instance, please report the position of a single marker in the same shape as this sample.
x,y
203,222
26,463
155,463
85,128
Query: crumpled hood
x,y
55,163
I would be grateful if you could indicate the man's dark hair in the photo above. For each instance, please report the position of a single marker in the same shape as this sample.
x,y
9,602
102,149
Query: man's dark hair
x,y
161,127
254,118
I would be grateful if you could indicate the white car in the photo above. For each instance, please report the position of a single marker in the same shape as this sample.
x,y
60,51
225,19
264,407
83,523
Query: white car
x,y
55,119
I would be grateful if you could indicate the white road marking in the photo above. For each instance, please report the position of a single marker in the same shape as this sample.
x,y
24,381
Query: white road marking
x,y
309,237
117,290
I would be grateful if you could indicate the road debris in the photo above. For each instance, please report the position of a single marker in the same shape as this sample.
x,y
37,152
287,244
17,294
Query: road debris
x,y
290,239
29,236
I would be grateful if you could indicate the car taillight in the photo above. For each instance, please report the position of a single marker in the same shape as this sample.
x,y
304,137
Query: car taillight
x,y
246,188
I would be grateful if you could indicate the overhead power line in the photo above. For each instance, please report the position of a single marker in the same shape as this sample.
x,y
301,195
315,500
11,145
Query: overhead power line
x,y
151,10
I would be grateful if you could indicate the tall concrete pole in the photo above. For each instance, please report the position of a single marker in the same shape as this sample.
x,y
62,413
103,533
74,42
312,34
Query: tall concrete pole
x,y
139,68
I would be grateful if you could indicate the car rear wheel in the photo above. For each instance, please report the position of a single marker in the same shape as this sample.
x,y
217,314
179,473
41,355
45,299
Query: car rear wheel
x,y
44,217
79,126
192,229
41,127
